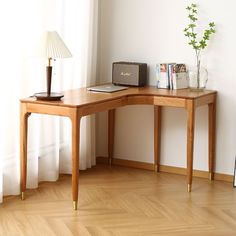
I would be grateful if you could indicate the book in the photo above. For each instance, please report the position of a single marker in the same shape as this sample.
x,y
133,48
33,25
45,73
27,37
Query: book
x,y
180,76
170,74
163,75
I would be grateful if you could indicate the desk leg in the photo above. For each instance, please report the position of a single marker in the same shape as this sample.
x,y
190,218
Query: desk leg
x,y
75,120
111,134
157,137
190,141
211,137
23,148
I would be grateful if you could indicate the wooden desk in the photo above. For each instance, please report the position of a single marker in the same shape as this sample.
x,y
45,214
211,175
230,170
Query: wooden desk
x,y
80,102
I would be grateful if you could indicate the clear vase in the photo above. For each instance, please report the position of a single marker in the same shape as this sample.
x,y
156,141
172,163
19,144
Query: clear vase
x,y
198,77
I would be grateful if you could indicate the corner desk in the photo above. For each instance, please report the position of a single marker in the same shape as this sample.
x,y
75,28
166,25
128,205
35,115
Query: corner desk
x,y
81,102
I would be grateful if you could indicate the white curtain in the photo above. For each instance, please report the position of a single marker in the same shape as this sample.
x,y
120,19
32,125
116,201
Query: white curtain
x,y
49,150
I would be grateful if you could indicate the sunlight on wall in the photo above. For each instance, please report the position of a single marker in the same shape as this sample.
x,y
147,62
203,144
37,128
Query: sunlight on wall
x,y
21,23
22,74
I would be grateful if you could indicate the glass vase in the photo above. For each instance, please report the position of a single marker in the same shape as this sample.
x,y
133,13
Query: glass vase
x,y
198,77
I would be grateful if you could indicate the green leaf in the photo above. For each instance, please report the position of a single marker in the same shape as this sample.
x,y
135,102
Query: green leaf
x,y
192,25
192,17
203,44
212,24
193,42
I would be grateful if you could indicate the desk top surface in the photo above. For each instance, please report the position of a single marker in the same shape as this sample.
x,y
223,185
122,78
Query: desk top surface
x,y
81,96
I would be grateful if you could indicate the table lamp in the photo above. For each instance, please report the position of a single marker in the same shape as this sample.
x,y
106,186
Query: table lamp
x,y
51,47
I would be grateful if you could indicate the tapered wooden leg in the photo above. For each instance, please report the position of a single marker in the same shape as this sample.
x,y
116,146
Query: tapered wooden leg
x,y
23,147
111,134
190,141
157,137
211,137
75,120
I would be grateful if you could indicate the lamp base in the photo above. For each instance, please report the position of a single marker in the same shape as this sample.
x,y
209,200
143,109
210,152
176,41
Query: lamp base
x,y
44,96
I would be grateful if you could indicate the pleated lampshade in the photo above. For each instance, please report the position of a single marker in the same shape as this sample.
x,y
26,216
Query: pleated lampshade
x,y
52,46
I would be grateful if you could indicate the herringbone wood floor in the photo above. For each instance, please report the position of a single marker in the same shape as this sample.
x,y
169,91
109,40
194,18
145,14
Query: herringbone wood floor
x,y
123,201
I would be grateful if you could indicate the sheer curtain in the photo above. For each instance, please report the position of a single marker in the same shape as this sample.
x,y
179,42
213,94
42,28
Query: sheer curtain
x,y
49,150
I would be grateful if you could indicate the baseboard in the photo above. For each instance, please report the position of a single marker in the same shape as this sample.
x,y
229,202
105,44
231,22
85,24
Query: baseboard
x,y
166,169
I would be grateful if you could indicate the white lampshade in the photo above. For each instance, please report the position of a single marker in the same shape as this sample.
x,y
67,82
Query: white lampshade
x,y
52,46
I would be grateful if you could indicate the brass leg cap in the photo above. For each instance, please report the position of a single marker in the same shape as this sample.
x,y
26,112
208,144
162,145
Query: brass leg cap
x,y
189,188
211,176
75,203
22,195
156,168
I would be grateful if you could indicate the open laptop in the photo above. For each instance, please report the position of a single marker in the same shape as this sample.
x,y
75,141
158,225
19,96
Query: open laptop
x,y
107,88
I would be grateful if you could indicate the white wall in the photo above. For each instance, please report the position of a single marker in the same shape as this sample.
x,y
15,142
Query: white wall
x,y
151,31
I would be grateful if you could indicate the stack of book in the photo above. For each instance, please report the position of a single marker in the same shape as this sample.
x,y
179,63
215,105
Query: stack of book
x,y
171,76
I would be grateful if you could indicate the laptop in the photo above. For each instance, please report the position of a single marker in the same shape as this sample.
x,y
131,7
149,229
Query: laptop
x,y
107,88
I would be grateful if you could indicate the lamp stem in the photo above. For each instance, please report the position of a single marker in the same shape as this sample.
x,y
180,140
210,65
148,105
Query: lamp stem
x,y
49,61
49,77
49,80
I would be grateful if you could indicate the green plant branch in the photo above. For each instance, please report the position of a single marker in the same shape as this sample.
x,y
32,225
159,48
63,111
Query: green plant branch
x,y
197,43
194,41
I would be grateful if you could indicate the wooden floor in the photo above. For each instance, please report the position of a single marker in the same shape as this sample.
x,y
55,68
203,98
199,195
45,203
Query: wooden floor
x,y
123,201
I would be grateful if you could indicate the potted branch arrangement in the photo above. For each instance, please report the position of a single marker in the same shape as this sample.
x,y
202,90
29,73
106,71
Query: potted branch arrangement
x,y
198,76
